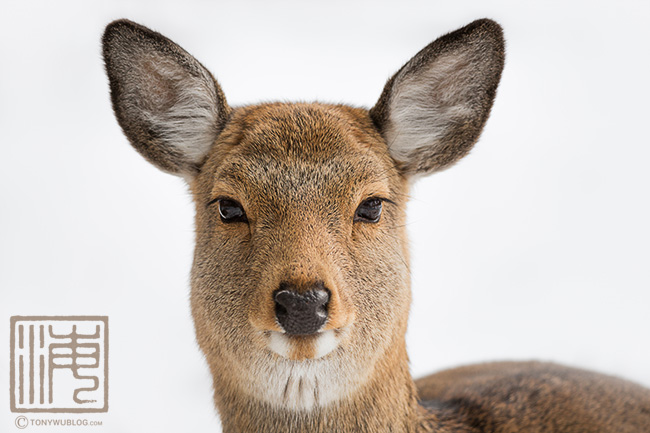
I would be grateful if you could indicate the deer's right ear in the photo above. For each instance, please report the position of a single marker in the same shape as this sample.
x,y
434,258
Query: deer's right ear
x,y
169,106
433,109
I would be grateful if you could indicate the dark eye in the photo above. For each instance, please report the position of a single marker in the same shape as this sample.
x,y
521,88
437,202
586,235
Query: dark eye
x,y
369,211
231,212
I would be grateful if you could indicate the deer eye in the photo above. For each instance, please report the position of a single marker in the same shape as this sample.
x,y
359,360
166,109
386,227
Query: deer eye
x,y
369,211
231,211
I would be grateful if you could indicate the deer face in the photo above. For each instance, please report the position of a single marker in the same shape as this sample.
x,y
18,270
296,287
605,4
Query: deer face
x,y
319,207
300,285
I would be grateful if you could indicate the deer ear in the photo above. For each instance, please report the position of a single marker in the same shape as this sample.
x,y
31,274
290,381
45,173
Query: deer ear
x,y
169,106
433,109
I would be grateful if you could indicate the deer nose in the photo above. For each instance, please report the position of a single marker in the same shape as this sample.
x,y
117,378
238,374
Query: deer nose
x,y
301,313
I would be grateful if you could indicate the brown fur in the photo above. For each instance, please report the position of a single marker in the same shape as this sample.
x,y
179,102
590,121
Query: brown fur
x,y
537,397
300,171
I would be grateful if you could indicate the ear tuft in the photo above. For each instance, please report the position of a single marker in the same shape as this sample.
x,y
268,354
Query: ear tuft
x,y
433,109
169,106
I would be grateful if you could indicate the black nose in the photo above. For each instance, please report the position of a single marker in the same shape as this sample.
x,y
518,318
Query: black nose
x,y
301,313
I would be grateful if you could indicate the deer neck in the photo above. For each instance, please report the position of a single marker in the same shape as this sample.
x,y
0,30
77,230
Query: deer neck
x,y
386,402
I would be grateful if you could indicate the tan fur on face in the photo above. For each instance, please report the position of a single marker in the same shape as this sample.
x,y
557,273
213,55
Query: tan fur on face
x,y
322,160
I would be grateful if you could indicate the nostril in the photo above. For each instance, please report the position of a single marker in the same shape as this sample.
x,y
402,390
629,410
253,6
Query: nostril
x,y
301,313
280,309
321,297
287,298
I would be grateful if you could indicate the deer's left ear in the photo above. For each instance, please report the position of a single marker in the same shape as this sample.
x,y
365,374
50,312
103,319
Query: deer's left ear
x,y
433,109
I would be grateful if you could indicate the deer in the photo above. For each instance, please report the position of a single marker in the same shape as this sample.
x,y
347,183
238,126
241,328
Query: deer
x,y
300,288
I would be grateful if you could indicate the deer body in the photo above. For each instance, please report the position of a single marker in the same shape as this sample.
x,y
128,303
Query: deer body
x,y
300,282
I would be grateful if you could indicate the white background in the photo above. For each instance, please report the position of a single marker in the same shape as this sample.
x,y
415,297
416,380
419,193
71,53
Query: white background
x,y
536,246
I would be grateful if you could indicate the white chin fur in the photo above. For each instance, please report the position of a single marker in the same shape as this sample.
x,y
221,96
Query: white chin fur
x,y
299,387
305,385
280,344
325,343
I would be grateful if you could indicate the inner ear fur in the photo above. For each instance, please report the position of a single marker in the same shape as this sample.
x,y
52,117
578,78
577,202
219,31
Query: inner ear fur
x,y
432,111
169,106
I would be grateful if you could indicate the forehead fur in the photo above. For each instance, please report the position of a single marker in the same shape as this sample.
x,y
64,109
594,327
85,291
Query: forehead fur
x,y
309,145
314,128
